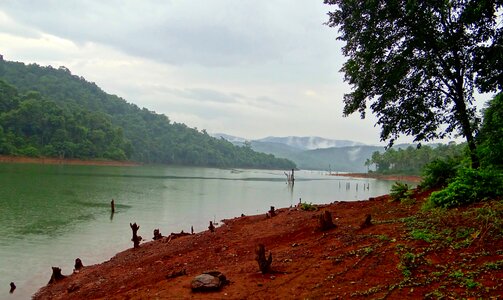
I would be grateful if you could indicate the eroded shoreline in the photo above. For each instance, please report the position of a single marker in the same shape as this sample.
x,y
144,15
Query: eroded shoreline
x,y
63,161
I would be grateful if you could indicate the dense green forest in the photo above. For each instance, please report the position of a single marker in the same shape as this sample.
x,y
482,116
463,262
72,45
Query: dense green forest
x,y
412,160
49,112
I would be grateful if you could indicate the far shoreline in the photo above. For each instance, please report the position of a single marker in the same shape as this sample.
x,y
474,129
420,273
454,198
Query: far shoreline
x,y
408,178
64,161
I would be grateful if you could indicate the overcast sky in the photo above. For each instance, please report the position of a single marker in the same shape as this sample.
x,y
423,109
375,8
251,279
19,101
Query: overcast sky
x,y
246,68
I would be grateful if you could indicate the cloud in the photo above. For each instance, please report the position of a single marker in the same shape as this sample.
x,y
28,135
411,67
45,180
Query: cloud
x,y
9,26
211,33
248,68
202,94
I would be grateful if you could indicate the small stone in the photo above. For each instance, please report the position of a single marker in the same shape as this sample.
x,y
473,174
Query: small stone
x,y
273,277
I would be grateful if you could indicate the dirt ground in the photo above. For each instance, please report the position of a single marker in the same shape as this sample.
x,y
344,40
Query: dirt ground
x,y
404,254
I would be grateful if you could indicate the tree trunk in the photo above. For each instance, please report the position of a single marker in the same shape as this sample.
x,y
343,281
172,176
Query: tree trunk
x,y
263,263
466,126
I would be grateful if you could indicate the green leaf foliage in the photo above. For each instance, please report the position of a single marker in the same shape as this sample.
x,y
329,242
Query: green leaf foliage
x,y
50,112
490,137
469,186
439,172
399,191
412,160
416,64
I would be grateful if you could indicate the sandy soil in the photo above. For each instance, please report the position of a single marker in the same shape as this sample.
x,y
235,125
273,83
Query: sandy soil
x,y
381,261
61,161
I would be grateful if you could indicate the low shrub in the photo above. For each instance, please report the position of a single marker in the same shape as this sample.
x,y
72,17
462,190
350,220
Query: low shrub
x,y
307,206
439,173
399,191
468,186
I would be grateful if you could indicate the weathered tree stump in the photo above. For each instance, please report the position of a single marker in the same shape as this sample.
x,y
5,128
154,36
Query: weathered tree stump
x,y
272,212
157,235
12,287
191,229
367,222
136,239
211,227
56,275
78,264
112,205
326,222
263,263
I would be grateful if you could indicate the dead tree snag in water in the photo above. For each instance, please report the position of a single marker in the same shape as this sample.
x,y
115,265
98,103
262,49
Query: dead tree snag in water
x,y
263,263
136,239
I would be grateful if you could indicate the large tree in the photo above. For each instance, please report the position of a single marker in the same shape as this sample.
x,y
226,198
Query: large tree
x,y
418,63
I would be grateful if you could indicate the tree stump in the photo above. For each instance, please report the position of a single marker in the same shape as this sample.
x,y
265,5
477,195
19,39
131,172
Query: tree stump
x,y
263,263
272,212
136,239
367,222
12,287
56,275
326,222
191,229
211,227
157,235
112,206
78,264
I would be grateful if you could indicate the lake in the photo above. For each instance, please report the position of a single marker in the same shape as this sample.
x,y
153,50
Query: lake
x,y
52,214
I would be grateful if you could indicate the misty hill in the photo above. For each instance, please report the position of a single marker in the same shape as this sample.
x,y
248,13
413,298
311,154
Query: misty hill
x,y
309,142
346,156
46,111
343,159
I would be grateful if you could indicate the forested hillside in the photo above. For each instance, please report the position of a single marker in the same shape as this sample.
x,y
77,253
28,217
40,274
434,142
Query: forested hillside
x,y
411,160
50,112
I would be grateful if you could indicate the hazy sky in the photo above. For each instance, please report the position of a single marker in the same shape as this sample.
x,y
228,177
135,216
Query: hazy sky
x,y
246,68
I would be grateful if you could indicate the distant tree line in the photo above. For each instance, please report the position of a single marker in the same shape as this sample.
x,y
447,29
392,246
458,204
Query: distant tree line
x,y
412,160
46,111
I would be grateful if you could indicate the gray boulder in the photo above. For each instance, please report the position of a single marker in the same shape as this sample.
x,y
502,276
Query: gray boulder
x,y
208,281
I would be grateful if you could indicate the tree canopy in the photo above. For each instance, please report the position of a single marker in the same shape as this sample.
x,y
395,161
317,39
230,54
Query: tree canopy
x,y
412,160
46,111
418,63
490,137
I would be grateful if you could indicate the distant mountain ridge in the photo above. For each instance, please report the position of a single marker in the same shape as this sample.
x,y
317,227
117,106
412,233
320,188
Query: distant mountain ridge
x,y
310,142
297,142
313,153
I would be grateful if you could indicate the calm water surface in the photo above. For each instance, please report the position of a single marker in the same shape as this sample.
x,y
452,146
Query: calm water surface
x,y
52,214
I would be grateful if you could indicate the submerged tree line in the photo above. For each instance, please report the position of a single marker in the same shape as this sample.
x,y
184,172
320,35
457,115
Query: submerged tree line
x,y
49,112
